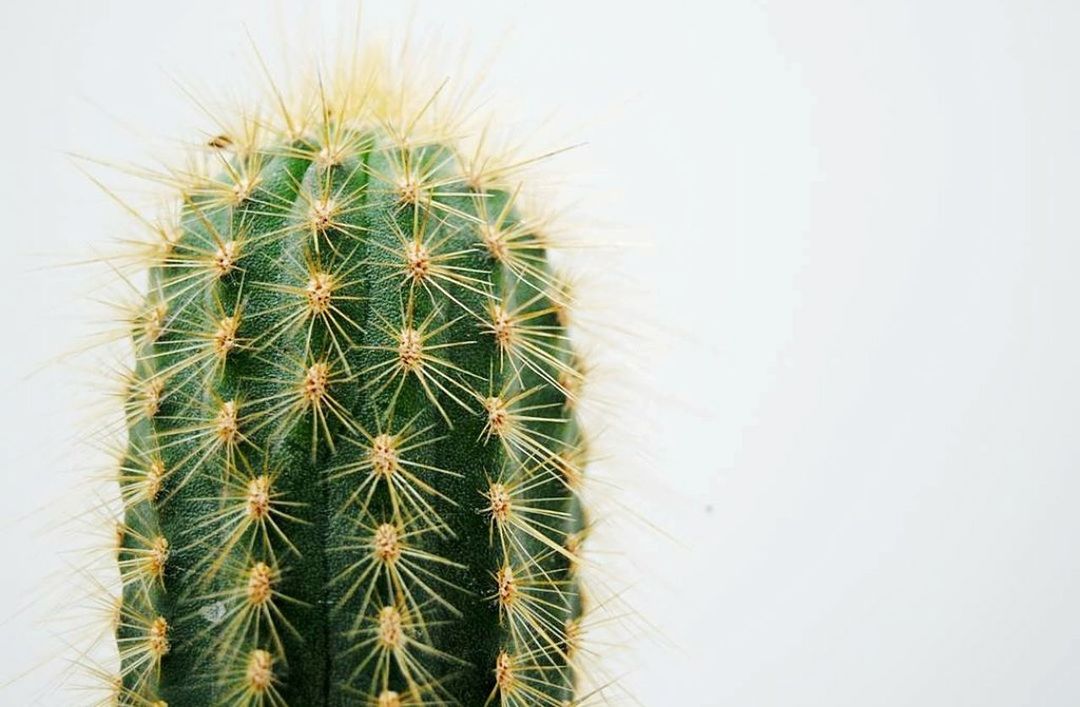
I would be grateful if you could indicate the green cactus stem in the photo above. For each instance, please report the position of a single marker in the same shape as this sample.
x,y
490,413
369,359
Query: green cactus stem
x,y
353,460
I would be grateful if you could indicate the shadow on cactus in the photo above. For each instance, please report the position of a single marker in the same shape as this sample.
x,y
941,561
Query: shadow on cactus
x,y
353,459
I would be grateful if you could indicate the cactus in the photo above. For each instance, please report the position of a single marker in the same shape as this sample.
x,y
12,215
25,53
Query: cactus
x,y
352,467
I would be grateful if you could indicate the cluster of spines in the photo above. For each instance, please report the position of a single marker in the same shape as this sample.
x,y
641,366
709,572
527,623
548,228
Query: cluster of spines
x,y
353,464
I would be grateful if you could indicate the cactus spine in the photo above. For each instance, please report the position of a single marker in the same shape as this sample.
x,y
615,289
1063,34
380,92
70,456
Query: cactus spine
x,y
352,465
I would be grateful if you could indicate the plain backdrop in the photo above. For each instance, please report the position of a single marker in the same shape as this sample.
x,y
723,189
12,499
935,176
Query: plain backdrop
x,y
862,278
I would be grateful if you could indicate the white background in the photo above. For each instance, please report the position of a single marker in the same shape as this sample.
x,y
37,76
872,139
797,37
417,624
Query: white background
x,y
863,292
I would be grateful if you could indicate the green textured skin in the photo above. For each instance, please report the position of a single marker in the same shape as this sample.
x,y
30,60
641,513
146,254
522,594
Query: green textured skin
x,y
321,659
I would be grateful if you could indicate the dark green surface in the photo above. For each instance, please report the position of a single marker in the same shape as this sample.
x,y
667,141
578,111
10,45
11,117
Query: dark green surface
x,y
320,659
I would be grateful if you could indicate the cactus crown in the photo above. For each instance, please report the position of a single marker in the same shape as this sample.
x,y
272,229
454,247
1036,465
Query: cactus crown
x,y
353,460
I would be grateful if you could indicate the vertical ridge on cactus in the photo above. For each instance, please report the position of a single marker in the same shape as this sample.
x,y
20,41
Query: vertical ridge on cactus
x,y
353,456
